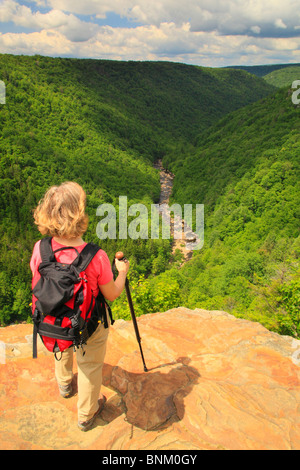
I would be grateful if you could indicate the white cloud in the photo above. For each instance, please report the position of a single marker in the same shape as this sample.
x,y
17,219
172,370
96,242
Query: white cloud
x,y
7,10
166,42
68,24
256,29
43,42
93,7
205,32
280,24
226,16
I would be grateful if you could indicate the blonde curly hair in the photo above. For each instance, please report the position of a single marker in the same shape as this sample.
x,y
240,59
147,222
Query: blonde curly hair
x,y
61,212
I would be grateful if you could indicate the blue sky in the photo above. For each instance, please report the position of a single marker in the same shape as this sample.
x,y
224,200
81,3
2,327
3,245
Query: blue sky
x,y
211,33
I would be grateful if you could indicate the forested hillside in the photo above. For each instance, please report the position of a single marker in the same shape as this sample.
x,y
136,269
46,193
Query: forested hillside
x,y
245,169
263,70
283,77
102,124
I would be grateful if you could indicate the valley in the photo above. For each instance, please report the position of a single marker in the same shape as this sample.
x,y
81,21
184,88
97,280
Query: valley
x,y
231,139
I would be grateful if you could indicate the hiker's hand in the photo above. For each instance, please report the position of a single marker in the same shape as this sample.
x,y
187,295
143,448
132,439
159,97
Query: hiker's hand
x,y
122,266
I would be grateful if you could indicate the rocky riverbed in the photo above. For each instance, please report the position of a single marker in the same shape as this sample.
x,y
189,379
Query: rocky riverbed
x,y
184,239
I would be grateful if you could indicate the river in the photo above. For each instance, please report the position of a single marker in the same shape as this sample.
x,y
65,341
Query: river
x,y
184,239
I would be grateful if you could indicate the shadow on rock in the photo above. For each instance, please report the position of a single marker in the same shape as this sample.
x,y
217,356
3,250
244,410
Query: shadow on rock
x,y
156,398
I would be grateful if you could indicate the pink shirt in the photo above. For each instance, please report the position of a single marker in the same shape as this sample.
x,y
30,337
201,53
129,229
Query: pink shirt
x,y
99,270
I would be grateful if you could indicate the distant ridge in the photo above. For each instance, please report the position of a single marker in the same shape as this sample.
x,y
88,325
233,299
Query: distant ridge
x,y
261,70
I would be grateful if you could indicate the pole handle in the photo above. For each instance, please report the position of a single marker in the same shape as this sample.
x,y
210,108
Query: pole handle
x,y
120,255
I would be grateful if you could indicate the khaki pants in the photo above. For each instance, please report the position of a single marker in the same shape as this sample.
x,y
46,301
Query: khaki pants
x,y
90,367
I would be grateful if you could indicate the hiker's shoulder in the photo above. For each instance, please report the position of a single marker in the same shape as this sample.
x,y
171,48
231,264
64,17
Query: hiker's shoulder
x,y
100,260
36,256
36,247
101,254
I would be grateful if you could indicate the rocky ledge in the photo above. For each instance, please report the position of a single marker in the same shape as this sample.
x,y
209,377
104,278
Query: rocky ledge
x,y
215,382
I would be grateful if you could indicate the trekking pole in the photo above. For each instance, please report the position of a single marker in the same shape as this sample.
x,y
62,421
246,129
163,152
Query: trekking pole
x,y
120,256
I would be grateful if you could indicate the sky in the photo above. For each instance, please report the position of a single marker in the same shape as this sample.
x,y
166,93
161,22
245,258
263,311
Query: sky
x,y
211,33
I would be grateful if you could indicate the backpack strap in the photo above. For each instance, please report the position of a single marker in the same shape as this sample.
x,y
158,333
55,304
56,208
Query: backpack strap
x,y
82,260
85,257
46,250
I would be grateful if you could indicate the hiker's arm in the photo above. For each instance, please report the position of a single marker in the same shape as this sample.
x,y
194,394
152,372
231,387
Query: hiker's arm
x,y
113,289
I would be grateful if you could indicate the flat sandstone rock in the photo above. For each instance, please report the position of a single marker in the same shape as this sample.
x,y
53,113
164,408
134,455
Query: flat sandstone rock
x,y
214,382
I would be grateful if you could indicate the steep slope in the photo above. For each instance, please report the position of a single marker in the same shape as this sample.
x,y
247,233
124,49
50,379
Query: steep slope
x,y
283,77
101,123
236,144
246,172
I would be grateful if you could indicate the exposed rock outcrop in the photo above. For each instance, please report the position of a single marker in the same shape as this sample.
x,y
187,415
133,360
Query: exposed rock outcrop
x,y
214,382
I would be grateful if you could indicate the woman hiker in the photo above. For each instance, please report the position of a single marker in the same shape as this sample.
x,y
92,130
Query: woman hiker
x,y
61,215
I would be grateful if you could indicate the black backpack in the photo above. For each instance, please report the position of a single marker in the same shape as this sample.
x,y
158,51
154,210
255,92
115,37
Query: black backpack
x,y
65,312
